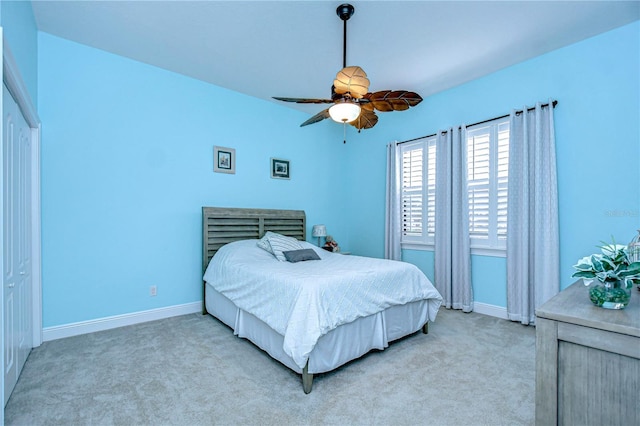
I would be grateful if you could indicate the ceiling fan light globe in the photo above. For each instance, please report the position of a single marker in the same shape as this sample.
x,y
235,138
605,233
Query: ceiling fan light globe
x,y
344,112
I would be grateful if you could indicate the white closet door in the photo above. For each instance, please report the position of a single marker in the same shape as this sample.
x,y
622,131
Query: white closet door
x,y
24,318
16,193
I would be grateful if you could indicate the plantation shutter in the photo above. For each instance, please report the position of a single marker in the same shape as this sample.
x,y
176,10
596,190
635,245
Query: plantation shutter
x,y
431,189
419,191
488,179
502,182
478,180
412,193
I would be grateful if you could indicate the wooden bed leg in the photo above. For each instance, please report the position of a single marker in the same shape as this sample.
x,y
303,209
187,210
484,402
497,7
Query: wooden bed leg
x,y
425,328
204,296
307,379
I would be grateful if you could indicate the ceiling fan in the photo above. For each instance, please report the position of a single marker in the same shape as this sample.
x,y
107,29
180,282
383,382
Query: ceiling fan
x,y
352,103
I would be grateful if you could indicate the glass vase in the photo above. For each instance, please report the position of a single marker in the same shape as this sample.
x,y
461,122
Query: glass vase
x,y
610,294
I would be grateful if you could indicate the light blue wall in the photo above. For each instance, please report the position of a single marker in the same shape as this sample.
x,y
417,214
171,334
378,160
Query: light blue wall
x,y
597,126
19,29
127,164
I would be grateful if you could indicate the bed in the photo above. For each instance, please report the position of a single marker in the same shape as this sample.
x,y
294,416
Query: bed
x,y
321,319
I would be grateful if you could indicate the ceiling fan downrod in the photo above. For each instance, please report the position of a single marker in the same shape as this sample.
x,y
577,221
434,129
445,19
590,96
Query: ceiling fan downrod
x,y
345,11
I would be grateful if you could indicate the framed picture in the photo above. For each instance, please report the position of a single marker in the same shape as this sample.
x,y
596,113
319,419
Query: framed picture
x,y
224,160
280,169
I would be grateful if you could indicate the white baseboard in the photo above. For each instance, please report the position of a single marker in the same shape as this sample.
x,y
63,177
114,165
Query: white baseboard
x,y
107,323
491,310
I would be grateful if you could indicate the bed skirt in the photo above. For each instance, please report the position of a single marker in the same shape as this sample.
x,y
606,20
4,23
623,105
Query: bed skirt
x,y
337,347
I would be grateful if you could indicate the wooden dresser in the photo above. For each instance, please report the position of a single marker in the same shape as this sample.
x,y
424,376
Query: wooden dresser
x,y
587,361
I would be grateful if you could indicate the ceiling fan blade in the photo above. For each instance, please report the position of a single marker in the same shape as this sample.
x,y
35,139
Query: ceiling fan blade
x,y
316,118
393,100
366,120
365,104
304,100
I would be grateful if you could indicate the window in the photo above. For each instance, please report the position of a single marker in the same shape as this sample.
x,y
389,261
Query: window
x,y
418,192
487,180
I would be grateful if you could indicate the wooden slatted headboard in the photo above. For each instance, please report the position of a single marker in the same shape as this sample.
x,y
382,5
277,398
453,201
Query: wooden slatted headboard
x,y
224,225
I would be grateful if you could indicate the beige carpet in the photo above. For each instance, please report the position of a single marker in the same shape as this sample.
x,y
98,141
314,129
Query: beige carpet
x,y
470,369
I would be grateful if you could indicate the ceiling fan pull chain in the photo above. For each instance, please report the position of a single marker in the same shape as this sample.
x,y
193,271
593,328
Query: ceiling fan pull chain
x,y
345,132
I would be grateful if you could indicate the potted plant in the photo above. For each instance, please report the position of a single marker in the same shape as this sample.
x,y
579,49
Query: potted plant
x,y
615,271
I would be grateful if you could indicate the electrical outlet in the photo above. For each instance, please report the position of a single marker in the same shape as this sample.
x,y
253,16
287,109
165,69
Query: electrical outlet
x,y
153,290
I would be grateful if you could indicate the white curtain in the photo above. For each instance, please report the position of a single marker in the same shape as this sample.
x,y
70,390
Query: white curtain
x,y
393,214
533,260
452,245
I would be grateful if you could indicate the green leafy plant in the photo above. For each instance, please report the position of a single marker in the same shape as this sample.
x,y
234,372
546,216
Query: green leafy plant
x,y
615,270
611,265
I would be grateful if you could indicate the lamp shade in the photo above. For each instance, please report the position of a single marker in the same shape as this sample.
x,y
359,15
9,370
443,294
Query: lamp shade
x,y
352,80
319,231
344,112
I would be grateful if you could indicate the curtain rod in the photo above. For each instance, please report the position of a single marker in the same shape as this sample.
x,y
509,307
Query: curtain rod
x,y
554,103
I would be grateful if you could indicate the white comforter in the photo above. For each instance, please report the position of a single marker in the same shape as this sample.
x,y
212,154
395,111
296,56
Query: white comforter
x,y
305,300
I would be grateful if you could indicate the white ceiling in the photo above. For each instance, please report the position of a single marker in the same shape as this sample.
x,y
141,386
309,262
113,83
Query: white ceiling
x,y
294,48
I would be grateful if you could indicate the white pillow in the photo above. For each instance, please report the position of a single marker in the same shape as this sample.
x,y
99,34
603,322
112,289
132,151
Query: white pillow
x,y
280,243
263,242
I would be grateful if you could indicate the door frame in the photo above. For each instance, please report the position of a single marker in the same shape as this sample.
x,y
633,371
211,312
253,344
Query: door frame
x,y
13,80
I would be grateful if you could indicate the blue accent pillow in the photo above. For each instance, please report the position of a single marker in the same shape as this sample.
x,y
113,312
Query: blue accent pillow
x,y
294,256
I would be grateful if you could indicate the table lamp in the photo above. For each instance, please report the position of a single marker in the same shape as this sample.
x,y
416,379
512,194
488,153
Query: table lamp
x,y
319,231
